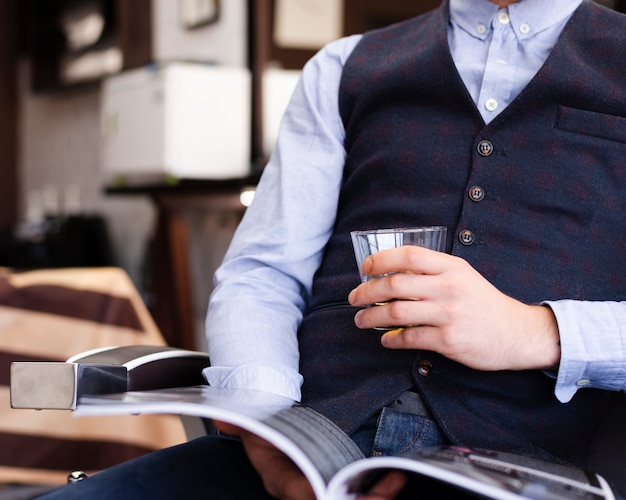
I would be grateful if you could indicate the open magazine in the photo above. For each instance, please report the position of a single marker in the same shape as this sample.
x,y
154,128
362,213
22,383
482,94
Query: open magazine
x,y
335,466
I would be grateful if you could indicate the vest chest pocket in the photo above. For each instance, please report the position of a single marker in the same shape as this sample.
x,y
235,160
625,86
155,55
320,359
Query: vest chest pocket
x,y
592,123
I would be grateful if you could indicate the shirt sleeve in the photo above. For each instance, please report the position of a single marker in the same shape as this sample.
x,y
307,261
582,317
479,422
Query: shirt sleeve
x,y
593,346
263,285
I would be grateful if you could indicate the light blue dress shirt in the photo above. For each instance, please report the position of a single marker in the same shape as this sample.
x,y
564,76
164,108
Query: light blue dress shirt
x,y
263,286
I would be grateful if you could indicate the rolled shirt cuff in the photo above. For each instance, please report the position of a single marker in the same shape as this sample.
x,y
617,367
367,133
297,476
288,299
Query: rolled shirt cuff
x,y
255,377
593,346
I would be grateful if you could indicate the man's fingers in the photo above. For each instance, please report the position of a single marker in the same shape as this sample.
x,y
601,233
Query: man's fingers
x,y
410,338
288,483
408,258
387,488
229,429
400,313
280,476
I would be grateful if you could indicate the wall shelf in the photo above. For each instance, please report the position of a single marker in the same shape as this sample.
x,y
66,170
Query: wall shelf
x,y
76,42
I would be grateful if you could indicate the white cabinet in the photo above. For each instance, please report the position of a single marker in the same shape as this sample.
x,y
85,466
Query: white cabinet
x,y
184,120
278,87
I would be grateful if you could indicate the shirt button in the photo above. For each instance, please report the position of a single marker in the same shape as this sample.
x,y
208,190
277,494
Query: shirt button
x,y
524,29
504,18
481,29
484,148
491,104
583,382
466,237
424,368
476,193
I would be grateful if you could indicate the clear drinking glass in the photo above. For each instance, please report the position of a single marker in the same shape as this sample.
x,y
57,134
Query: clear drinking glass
x,y
368,242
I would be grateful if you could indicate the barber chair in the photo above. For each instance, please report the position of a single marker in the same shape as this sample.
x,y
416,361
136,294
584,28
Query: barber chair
x,y
42,385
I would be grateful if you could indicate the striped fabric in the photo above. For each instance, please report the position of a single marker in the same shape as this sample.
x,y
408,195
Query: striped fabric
x,y
51,315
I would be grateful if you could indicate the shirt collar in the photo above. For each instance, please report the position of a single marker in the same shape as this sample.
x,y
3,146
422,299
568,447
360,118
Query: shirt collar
x,y
475,16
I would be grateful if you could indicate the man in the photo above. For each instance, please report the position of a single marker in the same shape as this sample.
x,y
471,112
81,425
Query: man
x,y
503,121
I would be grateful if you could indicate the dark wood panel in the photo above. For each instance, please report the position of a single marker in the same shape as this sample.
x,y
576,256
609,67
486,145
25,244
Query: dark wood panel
x,y
365,15
135,31
259,40
8,116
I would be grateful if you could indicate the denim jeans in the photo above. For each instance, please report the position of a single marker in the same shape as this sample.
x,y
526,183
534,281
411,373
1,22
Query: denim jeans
x,y
216,467
394,432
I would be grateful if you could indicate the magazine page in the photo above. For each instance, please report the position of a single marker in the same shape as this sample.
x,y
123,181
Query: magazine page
x,y
455,472
315,444
334,465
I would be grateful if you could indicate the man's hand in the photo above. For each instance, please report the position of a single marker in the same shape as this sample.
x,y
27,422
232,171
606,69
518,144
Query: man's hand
x,y
284,480
454,311
387,488
281,477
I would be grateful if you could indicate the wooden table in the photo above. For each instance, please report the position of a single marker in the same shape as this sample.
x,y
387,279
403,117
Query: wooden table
x,y
170,270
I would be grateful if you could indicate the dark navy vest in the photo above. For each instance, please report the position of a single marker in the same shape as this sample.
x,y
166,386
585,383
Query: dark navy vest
x,y
549,221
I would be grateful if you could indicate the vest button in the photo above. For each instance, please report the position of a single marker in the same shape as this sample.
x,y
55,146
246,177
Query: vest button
x,y
466,237
424,368
476,193
484,148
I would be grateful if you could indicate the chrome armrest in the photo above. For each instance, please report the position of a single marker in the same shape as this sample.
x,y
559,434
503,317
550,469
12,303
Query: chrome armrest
x,y
59,385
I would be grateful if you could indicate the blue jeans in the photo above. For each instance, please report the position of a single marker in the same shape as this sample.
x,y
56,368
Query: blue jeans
x,y
394,432
216,467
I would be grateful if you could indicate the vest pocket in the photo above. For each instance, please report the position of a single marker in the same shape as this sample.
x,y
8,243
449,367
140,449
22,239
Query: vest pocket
x,y
592,123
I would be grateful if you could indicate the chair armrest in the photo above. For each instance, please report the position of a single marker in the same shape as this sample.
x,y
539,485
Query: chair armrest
x,y
59,385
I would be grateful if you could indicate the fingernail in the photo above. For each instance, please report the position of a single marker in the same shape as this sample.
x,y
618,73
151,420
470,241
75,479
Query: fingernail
x,y
384,340
357,319
367,265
